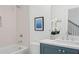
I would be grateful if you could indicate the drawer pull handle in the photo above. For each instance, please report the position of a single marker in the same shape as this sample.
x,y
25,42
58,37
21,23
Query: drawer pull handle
x,y
63,51
59,50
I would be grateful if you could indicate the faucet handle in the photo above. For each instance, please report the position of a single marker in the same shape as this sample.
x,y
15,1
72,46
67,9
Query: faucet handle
x,y
21,35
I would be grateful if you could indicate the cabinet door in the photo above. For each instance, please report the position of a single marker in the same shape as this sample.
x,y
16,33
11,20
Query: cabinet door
x,y
69,51
49,49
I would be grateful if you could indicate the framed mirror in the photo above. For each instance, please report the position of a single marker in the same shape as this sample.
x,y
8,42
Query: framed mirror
x,y
73,21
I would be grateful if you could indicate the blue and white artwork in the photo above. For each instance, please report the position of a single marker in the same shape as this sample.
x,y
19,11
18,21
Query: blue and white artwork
x,y
39,23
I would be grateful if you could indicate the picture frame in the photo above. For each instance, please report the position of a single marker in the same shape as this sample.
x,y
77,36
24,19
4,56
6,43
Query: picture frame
x,y
39,23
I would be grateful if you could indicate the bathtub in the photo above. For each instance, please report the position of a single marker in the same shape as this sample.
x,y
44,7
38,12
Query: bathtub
x,y
13,49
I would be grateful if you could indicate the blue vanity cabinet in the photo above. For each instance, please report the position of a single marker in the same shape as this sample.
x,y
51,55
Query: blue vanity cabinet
x,y
48,49
52,49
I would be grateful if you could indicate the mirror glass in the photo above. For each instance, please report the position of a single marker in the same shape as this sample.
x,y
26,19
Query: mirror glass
x,y
73,21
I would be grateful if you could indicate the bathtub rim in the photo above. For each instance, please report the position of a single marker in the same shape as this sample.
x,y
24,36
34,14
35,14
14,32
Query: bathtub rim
x,y
13,45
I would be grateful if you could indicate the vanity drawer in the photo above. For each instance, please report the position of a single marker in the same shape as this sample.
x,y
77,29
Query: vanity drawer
x,y
52,49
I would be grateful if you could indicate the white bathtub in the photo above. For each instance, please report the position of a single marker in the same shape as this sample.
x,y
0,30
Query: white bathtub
x,y
13,49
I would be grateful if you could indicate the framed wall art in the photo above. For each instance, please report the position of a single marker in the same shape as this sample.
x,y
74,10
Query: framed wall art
x,y
39,23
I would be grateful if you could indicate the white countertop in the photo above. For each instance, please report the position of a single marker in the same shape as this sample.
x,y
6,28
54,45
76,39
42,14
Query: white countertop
x,y
62,43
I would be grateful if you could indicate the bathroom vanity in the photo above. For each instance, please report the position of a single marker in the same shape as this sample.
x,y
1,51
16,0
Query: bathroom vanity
x,y
58,47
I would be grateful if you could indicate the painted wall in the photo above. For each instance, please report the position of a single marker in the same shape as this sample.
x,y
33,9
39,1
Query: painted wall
x,y
36,36
8,26
61,12
22,24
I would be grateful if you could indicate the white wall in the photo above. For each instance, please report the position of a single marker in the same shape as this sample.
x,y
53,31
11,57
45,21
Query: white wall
x,y
22,24
8,28
36,36
61,12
